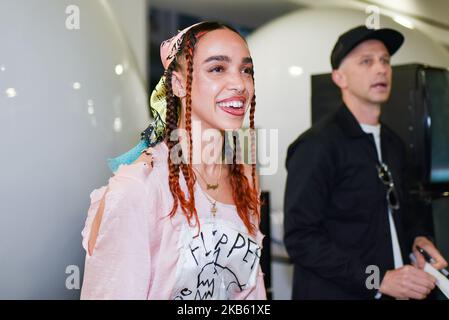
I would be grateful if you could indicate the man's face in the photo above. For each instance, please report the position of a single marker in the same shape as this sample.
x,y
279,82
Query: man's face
x,y
366,73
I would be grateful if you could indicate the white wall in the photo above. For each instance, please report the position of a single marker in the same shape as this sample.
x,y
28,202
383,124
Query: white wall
x,y
64,110
131,15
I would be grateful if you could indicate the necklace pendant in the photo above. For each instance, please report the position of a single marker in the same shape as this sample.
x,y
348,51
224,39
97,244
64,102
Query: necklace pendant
x,y
213,210
212,186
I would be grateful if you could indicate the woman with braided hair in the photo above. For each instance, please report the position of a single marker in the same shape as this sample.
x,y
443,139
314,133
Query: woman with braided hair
x,y
177,221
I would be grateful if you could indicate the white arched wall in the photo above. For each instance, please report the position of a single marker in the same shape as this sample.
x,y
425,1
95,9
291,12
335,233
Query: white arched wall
x,y
305,39
69,99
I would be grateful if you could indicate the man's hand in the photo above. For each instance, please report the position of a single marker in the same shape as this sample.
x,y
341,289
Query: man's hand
x,y
427,245
407,282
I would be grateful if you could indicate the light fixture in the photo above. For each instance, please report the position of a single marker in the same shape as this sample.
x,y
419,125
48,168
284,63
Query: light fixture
x,y
76,85
117,124
119,69
404,22
295,71
11,92
90,108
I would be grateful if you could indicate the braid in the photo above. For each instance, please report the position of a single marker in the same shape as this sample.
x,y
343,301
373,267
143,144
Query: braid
x,y
253,140
172,124
256,192
187,169
242,193
179,197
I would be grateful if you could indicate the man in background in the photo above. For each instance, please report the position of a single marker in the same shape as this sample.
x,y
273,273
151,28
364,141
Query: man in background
x,y
345,195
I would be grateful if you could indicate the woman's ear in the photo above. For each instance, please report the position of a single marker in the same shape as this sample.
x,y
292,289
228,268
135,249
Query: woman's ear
x,y
178,84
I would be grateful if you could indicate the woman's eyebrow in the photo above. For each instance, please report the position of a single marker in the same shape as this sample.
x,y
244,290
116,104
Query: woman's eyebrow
x,y
227,59
217,58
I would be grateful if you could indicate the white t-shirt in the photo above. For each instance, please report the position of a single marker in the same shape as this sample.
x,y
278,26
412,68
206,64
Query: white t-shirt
x,y
375,131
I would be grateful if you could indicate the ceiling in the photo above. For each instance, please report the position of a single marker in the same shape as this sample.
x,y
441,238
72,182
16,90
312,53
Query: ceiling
x,y
430,16
248,13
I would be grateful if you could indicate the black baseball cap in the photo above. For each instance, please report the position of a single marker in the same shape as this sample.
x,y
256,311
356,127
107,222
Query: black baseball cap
x,y
392,40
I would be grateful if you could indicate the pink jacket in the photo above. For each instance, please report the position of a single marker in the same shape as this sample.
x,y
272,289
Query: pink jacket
x,y
140,253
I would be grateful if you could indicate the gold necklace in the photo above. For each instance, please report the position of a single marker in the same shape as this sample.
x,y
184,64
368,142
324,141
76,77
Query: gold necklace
x,y
213,208
208,185
214,187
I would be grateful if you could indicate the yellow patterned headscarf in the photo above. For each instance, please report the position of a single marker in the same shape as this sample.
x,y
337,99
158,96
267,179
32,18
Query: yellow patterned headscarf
x,y
158,106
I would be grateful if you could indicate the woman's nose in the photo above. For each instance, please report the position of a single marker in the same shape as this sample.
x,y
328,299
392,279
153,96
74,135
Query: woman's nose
x,y
236,82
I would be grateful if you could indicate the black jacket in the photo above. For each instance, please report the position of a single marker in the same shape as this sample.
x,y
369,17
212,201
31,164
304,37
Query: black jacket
x,y
336,213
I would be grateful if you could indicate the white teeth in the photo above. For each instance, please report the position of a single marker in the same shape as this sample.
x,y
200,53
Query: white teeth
x,y
231,104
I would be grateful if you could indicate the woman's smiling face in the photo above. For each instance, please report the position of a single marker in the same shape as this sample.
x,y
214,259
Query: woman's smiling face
x,y
222,80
